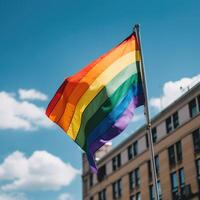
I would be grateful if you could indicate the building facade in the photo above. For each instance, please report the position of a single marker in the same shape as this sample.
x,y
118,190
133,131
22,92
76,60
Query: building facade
x,y
125,171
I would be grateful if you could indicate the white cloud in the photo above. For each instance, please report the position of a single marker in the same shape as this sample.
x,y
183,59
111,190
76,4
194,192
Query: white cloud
x,y
15,196
173,90
65,196
137,117
41,171
16,114
32,94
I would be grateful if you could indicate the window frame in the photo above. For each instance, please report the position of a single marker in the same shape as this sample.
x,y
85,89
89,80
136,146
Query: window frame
x,y
154,134
175,119
168,123
179,152
193,105
172,159
117,189
196,140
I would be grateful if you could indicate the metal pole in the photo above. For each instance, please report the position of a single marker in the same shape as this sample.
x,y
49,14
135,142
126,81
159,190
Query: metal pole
x,y
147,114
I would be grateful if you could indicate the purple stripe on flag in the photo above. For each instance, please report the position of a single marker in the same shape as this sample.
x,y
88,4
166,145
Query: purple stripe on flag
x,y
114,130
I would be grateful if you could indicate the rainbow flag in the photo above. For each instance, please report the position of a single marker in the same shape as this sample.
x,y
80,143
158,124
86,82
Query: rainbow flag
x,y
97,103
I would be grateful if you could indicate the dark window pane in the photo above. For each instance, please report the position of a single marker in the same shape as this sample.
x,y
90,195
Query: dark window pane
x,y
159,190
196,141
101,173
134,179
120,187
171,155
116,162
181,177
198,171
168,124
135,148
174,185
149,171
192,108
132,197
179,151
138,196
130,152
117,189
102,195
174,181
137,177
157,163
151,192
175,120
154,134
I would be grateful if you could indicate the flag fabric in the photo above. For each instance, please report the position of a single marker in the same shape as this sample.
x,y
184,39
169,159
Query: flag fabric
x,y
97,103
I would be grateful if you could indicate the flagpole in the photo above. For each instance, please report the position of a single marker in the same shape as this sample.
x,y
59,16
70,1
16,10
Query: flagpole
x,y
147,115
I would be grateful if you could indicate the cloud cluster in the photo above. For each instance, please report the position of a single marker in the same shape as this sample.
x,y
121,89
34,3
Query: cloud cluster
x,y
21,114
41,171
172,91
65,196
13,196
32,94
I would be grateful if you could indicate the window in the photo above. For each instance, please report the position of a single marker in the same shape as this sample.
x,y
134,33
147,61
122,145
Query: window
x,y
193,108
181,178
159,190
196,140
136,197
198,171
175,120
178,181
116,162
198,99
134,179
157,163
171,155
174,185
102,194
101,173
151,191
91,180
179,151
133,150
117,189
169,124
175,154
149,170
154,134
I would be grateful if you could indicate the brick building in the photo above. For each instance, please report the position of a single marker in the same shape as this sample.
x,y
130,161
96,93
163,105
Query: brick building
x,y
125,171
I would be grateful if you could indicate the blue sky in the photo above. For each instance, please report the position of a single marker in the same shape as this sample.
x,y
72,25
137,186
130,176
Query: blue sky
x,y
42,42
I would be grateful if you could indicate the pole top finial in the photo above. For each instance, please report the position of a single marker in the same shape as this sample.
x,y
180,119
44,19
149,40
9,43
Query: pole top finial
x,y
137,25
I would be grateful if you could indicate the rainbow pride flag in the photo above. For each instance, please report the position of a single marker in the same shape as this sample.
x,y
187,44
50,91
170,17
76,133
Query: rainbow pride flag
x,y
97,103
